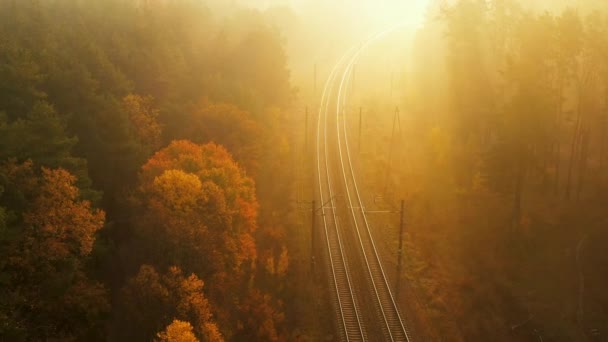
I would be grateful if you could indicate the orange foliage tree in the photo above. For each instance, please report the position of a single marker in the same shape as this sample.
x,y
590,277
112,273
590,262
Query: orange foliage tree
x,y
59,225
196,196
199,211
53,295
149,298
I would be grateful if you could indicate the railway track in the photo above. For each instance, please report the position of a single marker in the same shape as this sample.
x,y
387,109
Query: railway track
x,y
362,294
349,320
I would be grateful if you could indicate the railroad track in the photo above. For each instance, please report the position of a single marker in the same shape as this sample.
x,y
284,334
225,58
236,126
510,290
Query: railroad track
x,y
345,304
365,283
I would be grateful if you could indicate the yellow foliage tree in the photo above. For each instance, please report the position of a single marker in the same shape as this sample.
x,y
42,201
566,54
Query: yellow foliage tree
x,y
149,297
200,212
179,191
177,331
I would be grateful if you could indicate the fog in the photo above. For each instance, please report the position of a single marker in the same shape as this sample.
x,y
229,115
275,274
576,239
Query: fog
x,y
360,12
275,170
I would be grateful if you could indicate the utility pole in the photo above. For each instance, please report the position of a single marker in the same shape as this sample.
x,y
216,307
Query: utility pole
x,y
400,251
360,115
312,238
306,131
398,119
391,147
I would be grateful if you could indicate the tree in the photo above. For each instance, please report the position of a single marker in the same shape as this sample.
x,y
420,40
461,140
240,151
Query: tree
x,y
472,97
61,226
261,320
199,211
41,136
149,298
591,90
468,67
191,303
143,117
263,47
569,45
177,331
226,202
20,79
231,127
143,306
48,291
511,160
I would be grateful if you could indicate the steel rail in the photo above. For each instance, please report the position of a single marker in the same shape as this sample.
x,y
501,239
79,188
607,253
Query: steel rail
x,y
346,78
334,263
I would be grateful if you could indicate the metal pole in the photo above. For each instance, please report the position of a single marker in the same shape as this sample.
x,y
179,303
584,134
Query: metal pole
x,y
312,238
306,132
390,153
400,251
398,114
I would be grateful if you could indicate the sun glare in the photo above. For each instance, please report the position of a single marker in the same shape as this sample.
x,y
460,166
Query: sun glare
x,y
390,12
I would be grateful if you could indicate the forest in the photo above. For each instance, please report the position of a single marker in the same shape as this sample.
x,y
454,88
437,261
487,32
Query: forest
x,y
131,169
156,167
503,162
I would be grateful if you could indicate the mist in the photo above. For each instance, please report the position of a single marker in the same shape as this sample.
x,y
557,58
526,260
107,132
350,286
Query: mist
x,y
303,170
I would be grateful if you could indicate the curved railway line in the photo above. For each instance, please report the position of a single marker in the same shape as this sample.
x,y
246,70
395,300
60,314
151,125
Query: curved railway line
x,y
361,293
344,298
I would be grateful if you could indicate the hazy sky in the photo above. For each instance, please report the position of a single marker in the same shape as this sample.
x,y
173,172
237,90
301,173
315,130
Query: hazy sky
x,y
377,12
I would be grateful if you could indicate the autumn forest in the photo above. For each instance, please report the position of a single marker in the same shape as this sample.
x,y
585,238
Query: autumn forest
x,y
130,158
159,182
